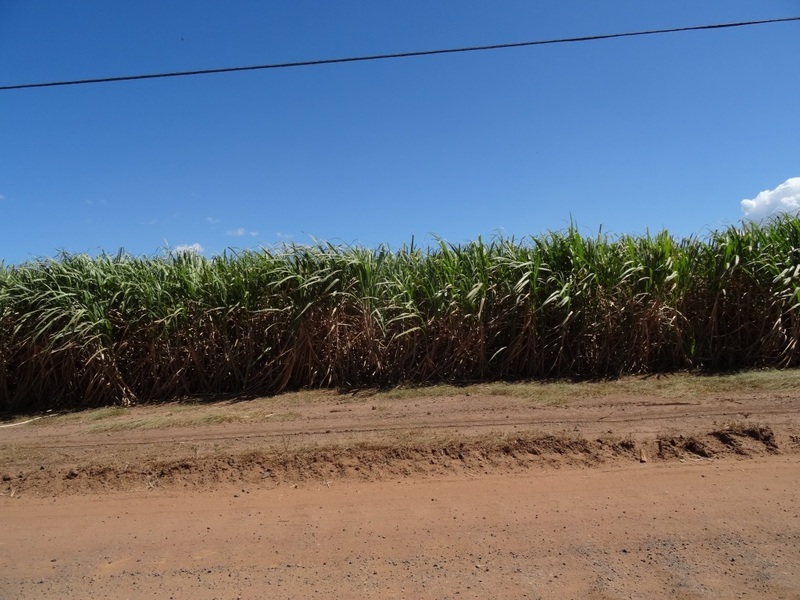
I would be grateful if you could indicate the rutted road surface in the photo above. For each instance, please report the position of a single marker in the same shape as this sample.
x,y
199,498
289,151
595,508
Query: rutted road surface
x,y
628,495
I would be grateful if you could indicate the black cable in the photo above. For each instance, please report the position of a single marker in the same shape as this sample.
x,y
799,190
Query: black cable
x,y
331,61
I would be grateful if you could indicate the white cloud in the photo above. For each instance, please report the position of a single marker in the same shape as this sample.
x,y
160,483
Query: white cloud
x,y
283,236
212,220
2,197
783,199
195,248
240,231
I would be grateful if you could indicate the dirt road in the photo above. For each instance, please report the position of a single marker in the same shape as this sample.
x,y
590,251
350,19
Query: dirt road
x,y
641,489
709,529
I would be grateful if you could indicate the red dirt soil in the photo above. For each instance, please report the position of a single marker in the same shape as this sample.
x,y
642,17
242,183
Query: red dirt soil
x,y
448,496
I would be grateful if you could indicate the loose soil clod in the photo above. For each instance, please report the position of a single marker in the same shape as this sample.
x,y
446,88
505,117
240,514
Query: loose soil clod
x,y
697,447
734,435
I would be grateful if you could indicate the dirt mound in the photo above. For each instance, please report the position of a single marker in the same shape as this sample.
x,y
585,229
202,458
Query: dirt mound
x,y
478,455
740,439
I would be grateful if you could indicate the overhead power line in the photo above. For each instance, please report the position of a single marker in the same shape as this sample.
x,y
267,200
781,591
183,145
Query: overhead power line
x,y
351,59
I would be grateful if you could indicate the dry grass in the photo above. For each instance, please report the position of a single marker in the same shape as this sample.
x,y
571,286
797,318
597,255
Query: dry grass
x,y
288,407
672,385
156,417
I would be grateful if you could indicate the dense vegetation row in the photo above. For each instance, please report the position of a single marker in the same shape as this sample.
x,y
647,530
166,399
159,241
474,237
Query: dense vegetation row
x,y
79,330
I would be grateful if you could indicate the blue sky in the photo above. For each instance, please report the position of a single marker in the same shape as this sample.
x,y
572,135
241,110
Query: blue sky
x,y
669,131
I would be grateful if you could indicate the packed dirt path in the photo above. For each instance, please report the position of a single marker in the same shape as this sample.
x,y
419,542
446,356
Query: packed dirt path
x,y
705,529
679,487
